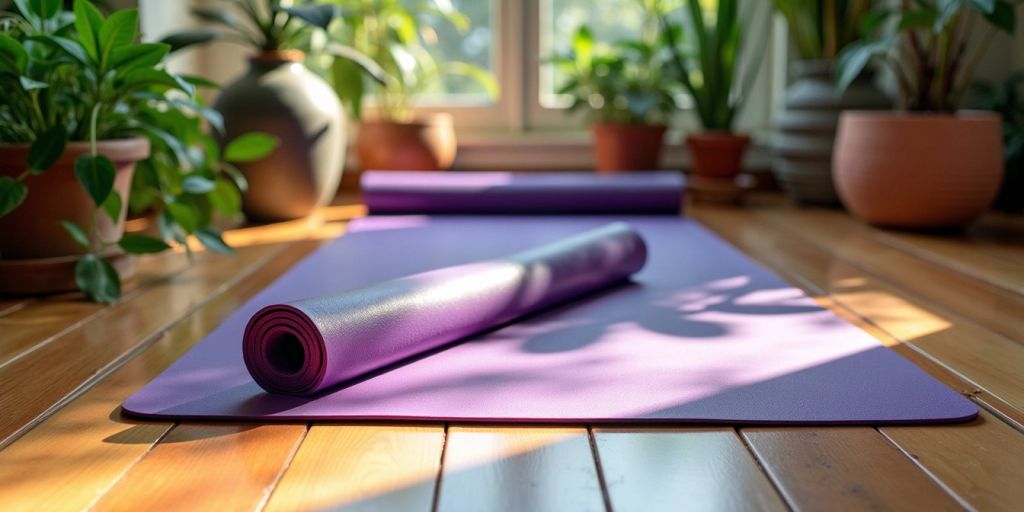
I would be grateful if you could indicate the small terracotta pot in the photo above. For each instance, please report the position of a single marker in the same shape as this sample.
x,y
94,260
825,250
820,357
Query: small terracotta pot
x,y
919,171
717,155
33,229
627,146
424,145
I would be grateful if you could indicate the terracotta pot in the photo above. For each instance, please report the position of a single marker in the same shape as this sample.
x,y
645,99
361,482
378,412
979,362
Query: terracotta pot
x,y
627,146
914,170
717,155
280,96
33,229
424,145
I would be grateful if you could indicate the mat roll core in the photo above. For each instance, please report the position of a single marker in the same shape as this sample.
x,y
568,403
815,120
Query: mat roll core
x,y
303,347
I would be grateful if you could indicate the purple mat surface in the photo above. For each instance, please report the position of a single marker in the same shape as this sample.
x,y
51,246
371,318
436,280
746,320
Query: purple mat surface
x,y
701,334
536,193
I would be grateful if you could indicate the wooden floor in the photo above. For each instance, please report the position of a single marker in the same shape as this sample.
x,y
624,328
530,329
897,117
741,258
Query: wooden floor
x,y
954,305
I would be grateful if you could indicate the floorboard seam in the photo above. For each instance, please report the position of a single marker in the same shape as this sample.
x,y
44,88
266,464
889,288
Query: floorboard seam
x,y
601,480
272,486
776,486
916,462
440,469
143,455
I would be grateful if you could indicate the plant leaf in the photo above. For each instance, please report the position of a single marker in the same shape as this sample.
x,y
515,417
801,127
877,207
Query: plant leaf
x,y
88,22
97,278
76,233
184,215
347,79
96,174
212,240
46,149
142,244
118,31
250,147
184,39
197,185
319,15
112,206
225,197
214,15
12,193
146,55
29,84
366,64
149,76
69,47
1003,16
13,56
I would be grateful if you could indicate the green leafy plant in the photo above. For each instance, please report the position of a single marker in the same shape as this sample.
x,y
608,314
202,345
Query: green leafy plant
x,y
708,62
821,28
389,32
1007,99
79,76
617,83
269,26
926,45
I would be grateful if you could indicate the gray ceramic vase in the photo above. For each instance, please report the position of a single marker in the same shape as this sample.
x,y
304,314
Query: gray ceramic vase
x,y
806,129
280,96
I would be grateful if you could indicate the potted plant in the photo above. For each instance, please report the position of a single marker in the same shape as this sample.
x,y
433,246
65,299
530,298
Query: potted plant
x,y
280,96
388,31
1006,100
627,100
930,166
83,104
807,123
709,68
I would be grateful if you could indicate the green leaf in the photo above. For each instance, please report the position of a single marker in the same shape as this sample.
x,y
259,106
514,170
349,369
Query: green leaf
x,y
112,206
88,22
918,19
583,46
985,6
184,39
319,15
118,31
97,278
364,63
46,149
12,193
67,46
482,77
96,174
148,76
197,185
138,56
1003,16
347,78
221,16
184,215
76,233
225,197
29,84
211,239
13,56
43,9
250,147
142,244
236,176
855,57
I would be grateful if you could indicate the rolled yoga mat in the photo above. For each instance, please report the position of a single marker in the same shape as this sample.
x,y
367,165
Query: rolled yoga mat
x,y
425,192
306,346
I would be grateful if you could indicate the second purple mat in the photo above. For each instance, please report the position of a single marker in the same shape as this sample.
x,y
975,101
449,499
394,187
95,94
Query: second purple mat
x,y
703,334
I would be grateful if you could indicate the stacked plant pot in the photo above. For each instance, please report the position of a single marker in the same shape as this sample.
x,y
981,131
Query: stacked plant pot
x,y
807,129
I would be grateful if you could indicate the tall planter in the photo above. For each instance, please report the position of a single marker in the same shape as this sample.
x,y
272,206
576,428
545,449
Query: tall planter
x,y
807,128
627,146
426,144
280,96
919,171
36,254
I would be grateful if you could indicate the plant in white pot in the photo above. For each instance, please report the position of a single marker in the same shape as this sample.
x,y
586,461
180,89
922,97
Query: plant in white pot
x,y
626,98
931,165
83,104
806,125
281,96
394,34
709,60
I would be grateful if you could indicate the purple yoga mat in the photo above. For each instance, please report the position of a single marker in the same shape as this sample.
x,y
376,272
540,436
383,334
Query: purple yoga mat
x,y
425,192
306,346
700,334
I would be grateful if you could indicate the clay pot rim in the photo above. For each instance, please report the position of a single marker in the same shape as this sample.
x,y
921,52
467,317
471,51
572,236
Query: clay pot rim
x,y
420,121
642,126
919,117
720,138
275,56
119,150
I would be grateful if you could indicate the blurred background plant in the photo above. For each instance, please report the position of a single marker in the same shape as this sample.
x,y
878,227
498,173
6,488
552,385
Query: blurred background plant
x,y
1007,99
821,28
399,36
925,43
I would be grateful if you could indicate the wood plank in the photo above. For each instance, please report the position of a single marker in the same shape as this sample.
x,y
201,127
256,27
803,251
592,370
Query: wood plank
x,y
362,467
980,461
534,469
844,469
693,469
978,357
70,459
32,385
10,305
995,308
207,467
